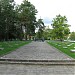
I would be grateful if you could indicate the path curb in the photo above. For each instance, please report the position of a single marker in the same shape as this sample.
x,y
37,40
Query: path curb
x,y
37,62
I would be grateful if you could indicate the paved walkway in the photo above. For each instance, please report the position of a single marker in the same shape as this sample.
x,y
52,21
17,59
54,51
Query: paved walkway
x,y
37,50
16,69
41,51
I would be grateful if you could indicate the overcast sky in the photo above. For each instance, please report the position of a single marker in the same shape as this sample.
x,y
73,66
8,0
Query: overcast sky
x,y
48,9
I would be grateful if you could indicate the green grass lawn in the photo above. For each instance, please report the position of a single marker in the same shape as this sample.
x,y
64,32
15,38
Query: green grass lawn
x,y
6,47
65,47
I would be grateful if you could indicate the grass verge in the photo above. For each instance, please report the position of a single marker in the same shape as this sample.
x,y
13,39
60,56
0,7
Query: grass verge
x,y
65,47
9,46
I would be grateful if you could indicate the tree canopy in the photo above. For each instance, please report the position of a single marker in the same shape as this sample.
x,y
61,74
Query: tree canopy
x,y
19,21
41,26
14,19
72,36
60,27
47,33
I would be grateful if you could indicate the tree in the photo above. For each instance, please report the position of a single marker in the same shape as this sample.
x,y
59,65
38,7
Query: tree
x,y
40,25
60,27
72,36
14,18
7,18
27,17
47,33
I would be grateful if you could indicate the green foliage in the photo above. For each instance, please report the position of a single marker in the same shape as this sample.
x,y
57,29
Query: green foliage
x,y
14,19
72,36
60,27
6,18
40,25
47,33
27,17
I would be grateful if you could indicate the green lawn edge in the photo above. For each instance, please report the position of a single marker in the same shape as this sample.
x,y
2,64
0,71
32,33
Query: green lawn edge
x,y
8,49
66,51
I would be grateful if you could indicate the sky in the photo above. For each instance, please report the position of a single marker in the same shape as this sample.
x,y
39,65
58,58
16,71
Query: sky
x,y
48,9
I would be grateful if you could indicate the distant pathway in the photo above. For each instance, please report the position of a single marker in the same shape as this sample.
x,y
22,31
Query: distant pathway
x,y
37,50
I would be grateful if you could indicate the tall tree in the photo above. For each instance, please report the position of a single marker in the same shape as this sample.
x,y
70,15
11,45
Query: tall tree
x,y
60,27
7,17
41,26
14,18
47,33
27,17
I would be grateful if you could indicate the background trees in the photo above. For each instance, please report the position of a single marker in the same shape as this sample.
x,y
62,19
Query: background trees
x,y
72,36
41,26
6,18
60,27
19,21
47,33
27,17
16,20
